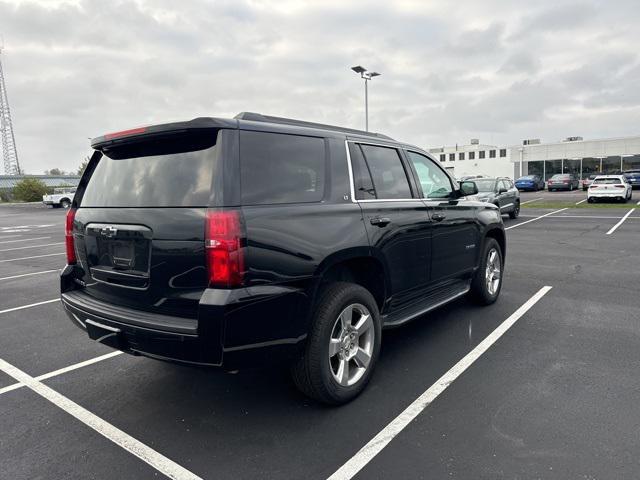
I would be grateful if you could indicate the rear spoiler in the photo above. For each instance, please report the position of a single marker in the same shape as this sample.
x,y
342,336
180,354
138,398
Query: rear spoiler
x,y
110,140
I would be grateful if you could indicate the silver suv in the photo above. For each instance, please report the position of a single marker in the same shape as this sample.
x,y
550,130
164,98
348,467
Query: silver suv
x,y
501,192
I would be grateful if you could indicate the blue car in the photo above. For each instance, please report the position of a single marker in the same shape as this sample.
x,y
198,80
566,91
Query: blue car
x,y
633,177
530,182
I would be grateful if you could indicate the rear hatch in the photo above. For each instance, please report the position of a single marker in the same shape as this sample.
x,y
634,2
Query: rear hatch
x,y
140,222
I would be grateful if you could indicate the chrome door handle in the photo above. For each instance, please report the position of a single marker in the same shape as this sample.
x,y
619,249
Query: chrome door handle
x,y
380,221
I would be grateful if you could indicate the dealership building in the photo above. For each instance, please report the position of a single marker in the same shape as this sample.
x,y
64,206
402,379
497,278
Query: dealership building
x,y
572,155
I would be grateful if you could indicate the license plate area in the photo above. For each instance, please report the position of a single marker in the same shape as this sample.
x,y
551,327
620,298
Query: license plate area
x,y
119,254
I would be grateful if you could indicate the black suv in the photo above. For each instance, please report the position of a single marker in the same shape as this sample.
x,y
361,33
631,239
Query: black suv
x,y
237,242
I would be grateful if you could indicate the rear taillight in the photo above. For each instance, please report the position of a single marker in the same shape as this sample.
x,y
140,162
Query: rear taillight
x,y
224,249
68,236
619,186
592,187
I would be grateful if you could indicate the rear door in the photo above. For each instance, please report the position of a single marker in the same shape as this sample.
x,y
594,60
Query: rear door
x,y
455,232
141,217
397,222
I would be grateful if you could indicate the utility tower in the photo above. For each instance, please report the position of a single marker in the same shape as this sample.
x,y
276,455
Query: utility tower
x,y
9,152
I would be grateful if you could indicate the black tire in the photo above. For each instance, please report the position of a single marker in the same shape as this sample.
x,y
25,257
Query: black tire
x,y
479,287
65,203
591,200
515,212
312,372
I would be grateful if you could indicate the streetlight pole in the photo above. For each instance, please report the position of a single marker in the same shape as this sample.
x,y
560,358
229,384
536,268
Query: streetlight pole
x,y
366,76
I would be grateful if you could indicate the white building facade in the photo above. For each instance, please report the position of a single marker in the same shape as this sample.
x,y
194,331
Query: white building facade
x,y
573,155
578,156
476,159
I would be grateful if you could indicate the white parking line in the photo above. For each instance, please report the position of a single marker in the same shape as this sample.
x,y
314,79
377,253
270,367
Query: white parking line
x,y
60,371
382,439
35,256
537,218
615,227
581,201
24,240
560,217
145,453
529,201
28,274
29,306
31,246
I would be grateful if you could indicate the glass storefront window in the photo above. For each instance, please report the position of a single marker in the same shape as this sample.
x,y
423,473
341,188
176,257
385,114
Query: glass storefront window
x,y
611,165
571,166
631,163
590,166
534,168
551,168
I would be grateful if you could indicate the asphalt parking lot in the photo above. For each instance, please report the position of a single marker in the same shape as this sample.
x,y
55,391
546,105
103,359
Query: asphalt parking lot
x,y
556,396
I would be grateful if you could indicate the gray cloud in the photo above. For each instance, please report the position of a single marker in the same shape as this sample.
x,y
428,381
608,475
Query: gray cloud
x,y
498,70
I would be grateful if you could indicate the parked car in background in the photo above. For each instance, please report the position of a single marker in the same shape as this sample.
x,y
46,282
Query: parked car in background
x,y
501,192
61,197
588,181
233,243
609,187
633,177
530,182
563,181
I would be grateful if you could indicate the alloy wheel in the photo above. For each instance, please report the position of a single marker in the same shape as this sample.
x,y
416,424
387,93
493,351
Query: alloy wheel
x,y
351,344
493,271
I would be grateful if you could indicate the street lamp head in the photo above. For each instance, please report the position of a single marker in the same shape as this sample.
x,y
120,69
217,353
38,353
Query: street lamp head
x,y
359,69
374,74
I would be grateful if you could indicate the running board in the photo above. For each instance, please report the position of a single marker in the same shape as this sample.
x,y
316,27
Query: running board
x,y
434,300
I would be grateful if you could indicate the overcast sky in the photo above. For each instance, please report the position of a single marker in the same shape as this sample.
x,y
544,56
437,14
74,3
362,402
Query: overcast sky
x,y
496,70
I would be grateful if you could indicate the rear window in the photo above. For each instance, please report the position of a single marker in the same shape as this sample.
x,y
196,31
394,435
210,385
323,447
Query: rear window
x,y
176,179
609,181
278,168
561,176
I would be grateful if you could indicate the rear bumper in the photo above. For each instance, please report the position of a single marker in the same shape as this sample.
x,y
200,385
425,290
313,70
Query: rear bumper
x,y
607,194
234,328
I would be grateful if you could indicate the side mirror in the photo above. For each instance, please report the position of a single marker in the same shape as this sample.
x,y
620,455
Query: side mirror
x,y
468,188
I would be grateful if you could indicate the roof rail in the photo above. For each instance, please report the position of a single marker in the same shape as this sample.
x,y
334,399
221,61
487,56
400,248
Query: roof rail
x,y
258,117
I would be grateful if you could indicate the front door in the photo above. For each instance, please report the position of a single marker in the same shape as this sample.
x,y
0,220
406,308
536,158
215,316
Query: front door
x,y
455,233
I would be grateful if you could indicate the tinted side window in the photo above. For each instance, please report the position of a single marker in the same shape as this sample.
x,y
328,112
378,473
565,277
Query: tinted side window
x,y
361,177
389,178
435,183
277,168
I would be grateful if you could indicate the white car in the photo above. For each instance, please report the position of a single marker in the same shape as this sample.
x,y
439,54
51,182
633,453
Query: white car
x,y
611,187
62,197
